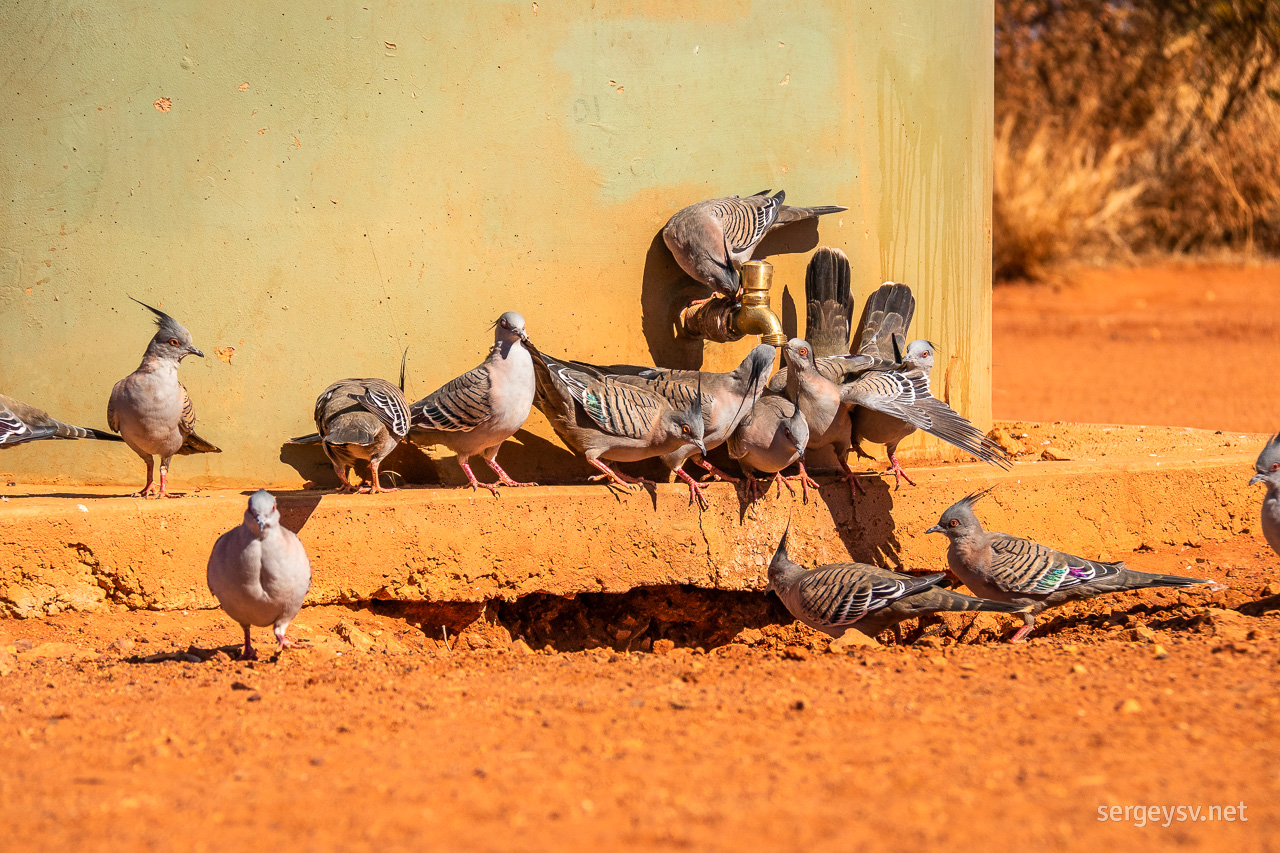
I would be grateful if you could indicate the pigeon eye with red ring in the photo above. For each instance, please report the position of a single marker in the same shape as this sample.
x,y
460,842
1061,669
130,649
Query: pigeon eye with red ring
x,y
1275,466
685,428
173,342
955,522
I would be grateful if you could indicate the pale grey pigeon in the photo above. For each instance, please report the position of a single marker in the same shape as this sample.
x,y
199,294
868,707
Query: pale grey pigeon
x,y
840,596
604,418
20,423
711,240
881,428
359,419
822,403
473,414
259,571
151,409
1006,568
1268,468
772,436
727,398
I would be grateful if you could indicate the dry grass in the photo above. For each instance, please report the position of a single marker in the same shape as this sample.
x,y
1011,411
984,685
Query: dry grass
x,y
1135,128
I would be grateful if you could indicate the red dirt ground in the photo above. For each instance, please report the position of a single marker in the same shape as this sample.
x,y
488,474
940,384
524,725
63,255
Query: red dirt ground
x,y
132,729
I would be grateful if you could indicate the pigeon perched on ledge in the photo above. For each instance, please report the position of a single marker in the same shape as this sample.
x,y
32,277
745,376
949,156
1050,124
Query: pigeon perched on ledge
x,y
772,436
151,409
482,408
603,417
359,419
20,423
840,596
1019,571
711,240
259,571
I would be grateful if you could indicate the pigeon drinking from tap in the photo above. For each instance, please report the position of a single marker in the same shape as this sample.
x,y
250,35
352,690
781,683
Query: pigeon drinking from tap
x,y
711,240
1019,571
20,423
151,409
604,418
473,414
259,571
840,596
1268,473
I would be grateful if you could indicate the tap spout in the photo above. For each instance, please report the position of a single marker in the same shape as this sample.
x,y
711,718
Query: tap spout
x,y
724,320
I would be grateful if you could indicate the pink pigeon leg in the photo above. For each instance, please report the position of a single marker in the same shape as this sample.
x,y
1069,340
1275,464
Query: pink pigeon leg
x,y
695,491
471,477
502,475
715,473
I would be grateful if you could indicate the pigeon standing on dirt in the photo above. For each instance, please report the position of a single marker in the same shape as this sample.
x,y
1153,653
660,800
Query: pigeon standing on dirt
x,y
475,413
1268,472
359,419
20,423
840,596
151,409
259,571
603,417
771,437
711,240
1006,568
727,398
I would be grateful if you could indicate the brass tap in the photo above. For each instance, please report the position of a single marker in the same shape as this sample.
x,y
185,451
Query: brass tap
x,y
723,321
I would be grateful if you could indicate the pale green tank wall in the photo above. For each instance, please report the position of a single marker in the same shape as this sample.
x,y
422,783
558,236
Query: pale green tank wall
x,y
332,182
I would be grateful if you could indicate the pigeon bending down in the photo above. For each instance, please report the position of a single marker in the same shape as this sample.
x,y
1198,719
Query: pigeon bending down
x,y
727,398
712,239
259,571
20,423
475,413
1268,472
772,436
840,596
1006,568
603,417
823,404
151,409
359,419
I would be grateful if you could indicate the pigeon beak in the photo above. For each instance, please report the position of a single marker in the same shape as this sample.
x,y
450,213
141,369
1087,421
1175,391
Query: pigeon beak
x,y
1256,478
702,448
937,528
261,519
524,336
194,351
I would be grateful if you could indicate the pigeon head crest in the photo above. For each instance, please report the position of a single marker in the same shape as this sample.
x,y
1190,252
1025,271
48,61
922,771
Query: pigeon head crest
x,y
959,518
172,340
1268,465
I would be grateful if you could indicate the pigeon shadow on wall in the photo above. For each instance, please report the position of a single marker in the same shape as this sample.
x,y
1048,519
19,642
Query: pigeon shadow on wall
x,y
867,529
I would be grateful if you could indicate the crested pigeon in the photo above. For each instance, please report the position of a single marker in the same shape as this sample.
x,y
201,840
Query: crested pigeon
x,y
822,403
1007,568
773,435
259,571
473,414
712,239
359,419
727,398
151,409
1268,472
20,423
840,596
604,418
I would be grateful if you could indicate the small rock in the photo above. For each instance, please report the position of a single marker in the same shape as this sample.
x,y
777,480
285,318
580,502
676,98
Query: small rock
x,y
1078,669
799,705
1161,652
1236,647
520,647
1052,454
1130,706
121,646
663,647
1007,442
23,645
795,653
221,657
853,639
240,685
1142,634
353,636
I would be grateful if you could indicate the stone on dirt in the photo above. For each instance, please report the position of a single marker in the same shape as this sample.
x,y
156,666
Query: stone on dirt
x,y
353,636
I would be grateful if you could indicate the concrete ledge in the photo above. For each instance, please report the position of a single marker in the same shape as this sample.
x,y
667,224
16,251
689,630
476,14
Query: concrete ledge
x,y
83,549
